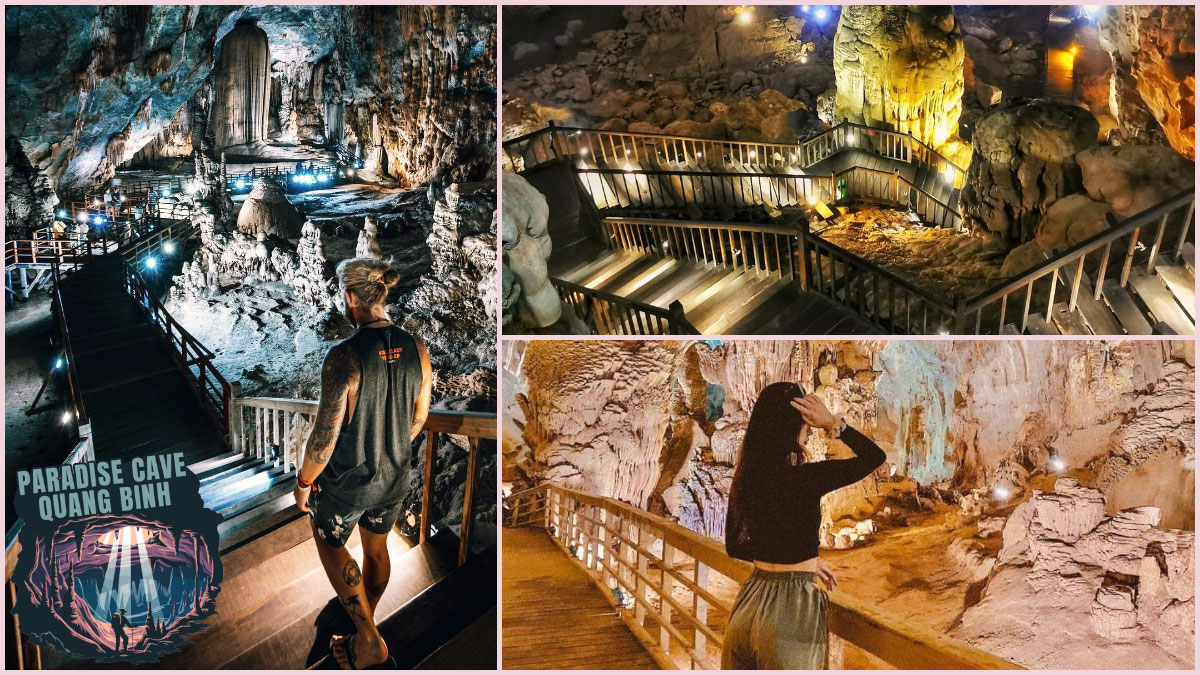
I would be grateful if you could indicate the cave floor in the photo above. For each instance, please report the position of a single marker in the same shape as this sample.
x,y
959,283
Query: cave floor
x,y
942,261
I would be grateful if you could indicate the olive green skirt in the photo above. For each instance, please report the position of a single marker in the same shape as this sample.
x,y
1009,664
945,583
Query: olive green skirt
x,y
779,622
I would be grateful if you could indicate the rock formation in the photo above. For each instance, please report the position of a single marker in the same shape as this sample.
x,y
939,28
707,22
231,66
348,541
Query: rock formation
x,y
527,246
900,67
1110,581
1154,52
1024,161
241,88
268,211
29,200
453,309
420,84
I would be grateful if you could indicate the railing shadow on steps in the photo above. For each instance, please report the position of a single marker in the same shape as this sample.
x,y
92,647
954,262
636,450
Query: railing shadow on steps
x,y
789,253
609,314
664,580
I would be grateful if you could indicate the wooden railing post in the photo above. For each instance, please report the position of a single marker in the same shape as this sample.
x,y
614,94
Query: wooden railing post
x,y
235,416
805,233
468,499
427,485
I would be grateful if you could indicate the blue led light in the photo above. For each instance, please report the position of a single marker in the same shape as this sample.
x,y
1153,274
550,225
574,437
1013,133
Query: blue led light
x,y
822,14
240,184
151,262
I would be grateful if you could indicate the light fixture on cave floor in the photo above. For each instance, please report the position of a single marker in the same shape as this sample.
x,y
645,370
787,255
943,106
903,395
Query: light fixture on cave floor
x,y
1074,49
1001,492
849,136
803,59
66,417
169,247
1057,463
59,363
583,151
151,263
753,155
239,184
822,14
949,174
628,168
96,201
122,198
83,218
62,213
812,199
166,192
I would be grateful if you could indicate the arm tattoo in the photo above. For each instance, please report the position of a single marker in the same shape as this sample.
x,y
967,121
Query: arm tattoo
x,y
338,375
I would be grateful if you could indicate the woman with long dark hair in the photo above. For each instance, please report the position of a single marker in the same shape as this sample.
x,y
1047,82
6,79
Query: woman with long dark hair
x,y
774,517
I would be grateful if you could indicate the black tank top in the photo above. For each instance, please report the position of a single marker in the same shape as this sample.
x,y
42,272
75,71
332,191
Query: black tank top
x,y
370,463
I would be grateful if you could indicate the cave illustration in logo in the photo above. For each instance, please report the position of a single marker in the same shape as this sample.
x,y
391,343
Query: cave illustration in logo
x,y
120,588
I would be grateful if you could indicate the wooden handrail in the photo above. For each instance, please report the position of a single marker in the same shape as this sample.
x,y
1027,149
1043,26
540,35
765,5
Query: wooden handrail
x,y
605,313
614,543
256,423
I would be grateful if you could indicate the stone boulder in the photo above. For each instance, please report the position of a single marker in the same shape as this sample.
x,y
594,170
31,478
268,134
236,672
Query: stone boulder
x,y
1132,178
1071,220
1024,161
523,117
268,211
900,66
527,246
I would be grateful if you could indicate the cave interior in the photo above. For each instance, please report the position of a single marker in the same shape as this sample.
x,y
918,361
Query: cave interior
x,y
1036,502
954,151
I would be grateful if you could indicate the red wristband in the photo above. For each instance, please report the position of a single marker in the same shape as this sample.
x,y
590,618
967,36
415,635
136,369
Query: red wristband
x,y
303,483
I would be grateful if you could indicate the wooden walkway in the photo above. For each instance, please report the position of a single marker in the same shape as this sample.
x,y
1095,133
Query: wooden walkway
x,y
554,617
135,397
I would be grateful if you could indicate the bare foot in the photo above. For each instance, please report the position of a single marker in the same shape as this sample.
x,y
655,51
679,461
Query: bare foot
x,y
357,652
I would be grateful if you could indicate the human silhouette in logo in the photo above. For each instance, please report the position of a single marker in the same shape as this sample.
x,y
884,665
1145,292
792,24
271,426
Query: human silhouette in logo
x,y
119,622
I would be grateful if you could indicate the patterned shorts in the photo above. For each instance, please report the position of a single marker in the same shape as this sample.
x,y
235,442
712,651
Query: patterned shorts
x,y
335,520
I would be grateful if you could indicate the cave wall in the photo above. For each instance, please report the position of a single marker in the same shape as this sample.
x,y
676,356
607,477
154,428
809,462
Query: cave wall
x,y
419,90
630,420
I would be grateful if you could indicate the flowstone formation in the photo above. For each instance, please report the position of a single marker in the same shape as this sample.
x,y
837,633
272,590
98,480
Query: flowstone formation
x,y
268,211
901,67
368,241
242,90
1029,484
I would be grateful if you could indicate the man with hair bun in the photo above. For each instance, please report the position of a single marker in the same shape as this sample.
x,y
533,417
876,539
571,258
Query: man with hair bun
x,y
375,391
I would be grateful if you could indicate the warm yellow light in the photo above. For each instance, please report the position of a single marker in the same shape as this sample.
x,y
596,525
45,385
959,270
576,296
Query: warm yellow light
x,y
745,16
812,200
583,151
1074,50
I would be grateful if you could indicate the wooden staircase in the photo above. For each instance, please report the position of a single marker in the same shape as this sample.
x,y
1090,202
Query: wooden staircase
x,y
717,300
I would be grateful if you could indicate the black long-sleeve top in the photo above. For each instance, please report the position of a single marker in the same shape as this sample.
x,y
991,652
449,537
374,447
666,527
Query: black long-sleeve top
x,y
789,530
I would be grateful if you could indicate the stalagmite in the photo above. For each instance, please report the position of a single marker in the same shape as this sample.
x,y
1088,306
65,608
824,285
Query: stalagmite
x,y
242,95
368,241
268,211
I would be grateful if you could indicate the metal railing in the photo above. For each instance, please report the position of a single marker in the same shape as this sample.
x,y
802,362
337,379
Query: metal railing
x,y
1097,253
886,300
256,424
608,314
192,358
670,585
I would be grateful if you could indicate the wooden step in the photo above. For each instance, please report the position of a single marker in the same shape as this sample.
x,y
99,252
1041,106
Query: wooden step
x,y
212,463
1036,325
1125,308
231,469
1154,294
240,489
1182,284
1099,318
1069,322
1187,257
278,509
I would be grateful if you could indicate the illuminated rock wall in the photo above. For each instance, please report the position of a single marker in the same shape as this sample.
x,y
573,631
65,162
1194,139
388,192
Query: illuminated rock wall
x,y
900,67
1154,51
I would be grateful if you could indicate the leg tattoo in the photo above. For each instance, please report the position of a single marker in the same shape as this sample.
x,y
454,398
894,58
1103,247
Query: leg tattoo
x,y
351,574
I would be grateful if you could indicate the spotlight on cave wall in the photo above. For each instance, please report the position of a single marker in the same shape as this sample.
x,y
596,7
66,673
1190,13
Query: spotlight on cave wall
x,y
1057,464
745,16
1002,493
